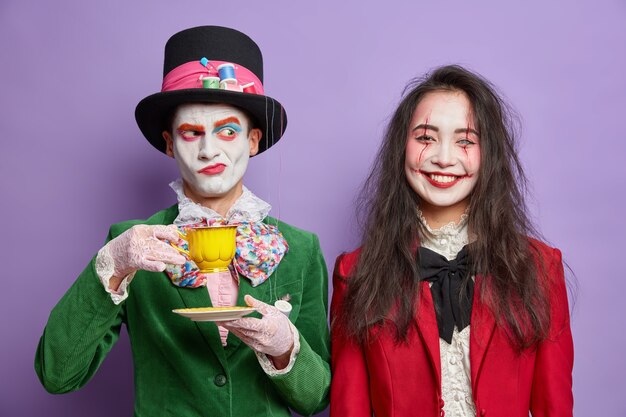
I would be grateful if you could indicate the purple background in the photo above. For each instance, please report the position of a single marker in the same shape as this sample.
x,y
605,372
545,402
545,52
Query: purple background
x,y
73,160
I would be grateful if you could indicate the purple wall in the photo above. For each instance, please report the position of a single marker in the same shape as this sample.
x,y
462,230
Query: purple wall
x,y
73,161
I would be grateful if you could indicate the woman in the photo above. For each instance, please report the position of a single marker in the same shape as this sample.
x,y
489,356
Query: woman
x,y
449,307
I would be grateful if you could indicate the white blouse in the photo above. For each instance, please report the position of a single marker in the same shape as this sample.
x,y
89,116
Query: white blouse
x,y
456,388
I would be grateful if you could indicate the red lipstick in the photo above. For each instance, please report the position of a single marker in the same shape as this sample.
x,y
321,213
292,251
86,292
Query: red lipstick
x,y
213,169
438,184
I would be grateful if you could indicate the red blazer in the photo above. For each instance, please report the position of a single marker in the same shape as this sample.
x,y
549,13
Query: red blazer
x,y
389,379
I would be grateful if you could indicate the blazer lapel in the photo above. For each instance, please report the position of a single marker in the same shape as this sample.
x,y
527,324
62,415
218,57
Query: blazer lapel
x,y
199,297
429,332
483,325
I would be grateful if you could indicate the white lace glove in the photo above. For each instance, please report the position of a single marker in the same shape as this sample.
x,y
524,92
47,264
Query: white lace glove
x,y
141,247
270,334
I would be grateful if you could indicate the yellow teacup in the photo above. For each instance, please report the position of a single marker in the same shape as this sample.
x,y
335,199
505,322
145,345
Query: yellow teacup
x,y
211,248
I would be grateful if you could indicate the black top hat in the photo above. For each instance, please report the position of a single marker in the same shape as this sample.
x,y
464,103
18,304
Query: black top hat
x,y
196,54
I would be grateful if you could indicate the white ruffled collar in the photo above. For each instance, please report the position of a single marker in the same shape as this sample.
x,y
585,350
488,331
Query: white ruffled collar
x,y
247,208
448,240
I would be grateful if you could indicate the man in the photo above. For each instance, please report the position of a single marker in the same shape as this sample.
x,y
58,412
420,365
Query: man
x,y
211,117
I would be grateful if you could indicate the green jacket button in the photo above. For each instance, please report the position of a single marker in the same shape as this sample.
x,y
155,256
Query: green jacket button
x,y
220,380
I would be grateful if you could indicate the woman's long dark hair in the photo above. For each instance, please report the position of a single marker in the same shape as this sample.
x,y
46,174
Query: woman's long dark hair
x,y
386,276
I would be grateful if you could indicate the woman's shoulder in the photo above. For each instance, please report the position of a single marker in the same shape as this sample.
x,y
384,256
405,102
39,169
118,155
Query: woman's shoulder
x,y
549,262
544,252
345,263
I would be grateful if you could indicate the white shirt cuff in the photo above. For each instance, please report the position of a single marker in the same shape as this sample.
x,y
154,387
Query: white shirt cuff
x,y
105,266
267,364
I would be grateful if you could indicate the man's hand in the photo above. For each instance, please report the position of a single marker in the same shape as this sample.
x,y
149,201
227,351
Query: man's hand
x,y
270,334
142,247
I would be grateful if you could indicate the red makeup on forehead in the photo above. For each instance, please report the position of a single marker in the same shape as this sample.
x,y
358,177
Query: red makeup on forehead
x,y
470,122
188,126
231,119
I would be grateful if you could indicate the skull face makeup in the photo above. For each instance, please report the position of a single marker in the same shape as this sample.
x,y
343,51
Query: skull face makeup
x,y
212,144
442,151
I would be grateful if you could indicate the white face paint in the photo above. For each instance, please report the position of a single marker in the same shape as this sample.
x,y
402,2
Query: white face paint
x,y
442,150
211,147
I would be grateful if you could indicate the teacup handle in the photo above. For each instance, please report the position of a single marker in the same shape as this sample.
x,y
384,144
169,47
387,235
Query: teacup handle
x,y
181,250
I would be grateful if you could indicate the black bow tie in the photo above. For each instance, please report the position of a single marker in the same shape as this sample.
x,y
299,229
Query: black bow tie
x,y
447,283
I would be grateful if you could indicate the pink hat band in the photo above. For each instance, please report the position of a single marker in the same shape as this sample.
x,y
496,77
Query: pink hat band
x,y
234,77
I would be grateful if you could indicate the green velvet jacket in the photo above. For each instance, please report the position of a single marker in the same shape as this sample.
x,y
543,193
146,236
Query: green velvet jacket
x,y
180,366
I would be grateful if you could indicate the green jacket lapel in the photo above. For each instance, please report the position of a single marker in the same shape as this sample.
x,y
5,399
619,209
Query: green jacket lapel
x,y
198,297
